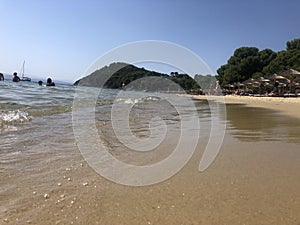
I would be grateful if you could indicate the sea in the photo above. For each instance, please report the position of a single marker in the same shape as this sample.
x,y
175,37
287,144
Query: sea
x,y
48,133
55,121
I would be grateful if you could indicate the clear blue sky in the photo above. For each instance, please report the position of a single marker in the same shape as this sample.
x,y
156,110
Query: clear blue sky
x,y
61,38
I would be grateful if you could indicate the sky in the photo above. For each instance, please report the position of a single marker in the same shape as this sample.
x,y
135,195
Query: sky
x,y
62,38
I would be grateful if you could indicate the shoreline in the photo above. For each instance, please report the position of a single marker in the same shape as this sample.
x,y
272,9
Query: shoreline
x,y
286,106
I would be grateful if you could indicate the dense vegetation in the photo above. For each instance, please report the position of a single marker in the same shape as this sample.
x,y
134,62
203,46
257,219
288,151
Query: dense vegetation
x,y
119,75
250,62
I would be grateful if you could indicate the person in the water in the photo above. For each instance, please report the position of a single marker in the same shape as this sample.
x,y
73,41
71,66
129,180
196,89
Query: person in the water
x,y
50,82
16,78
1,77
40,82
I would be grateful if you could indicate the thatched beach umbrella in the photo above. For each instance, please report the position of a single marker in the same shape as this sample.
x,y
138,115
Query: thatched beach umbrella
x,y
290,74
261,84
229,86
277,81
275,77
262,80
268,84
248,82
238,84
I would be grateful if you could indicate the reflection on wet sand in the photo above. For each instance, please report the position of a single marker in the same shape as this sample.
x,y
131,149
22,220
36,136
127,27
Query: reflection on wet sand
x,y
254,124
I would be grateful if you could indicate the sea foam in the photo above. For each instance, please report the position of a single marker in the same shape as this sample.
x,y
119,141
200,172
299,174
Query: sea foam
x,y
13,117
137,100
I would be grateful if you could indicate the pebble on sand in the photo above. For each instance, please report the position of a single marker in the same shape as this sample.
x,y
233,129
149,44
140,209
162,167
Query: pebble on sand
x,y
46,196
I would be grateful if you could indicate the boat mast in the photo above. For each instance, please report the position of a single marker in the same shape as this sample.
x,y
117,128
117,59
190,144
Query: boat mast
x,y
23,69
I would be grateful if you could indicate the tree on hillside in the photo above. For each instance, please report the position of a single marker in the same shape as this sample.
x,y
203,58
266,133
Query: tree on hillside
x,y
266,56
239,66
285,60
293,44
244,52
184,80
245,62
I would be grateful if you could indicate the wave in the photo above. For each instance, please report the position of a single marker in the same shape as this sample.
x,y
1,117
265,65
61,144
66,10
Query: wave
x,y
13,117
137,100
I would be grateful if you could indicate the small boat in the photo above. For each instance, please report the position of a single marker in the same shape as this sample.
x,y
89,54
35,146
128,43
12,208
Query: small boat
x,y
24,78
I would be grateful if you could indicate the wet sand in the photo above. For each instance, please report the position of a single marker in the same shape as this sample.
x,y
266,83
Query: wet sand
x,y
287,106
250,182
247,184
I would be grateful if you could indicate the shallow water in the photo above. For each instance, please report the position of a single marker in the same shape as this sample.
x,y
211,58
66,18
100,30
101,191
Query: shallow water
x,y
254,179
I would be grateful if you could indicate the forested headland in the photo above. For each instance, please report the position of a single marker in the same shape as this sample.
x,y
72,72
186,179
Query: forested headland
x,y
119,75
250,62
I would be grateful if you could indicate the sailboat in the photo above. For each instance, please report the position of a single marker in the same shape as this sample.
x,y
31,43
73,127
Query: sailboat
x,y
24,78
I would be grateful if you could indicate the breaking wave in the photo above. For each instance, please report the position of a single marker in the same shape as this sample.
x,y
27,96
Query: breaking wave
x,y
13,117
137,100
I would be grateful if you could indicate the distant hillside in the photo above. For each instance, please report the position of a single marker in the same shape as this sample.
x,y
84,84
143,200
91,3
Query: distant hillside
x,y
208,82
118,75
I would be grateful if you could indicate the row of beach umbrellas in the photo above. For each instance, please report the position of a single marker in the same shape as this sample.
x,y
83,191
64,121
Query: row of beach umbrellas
x,y
285,78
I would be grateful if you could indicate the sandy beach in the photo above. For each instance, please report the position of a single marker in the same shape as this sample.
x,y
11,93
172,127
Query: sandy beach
x,y
287,106
253,180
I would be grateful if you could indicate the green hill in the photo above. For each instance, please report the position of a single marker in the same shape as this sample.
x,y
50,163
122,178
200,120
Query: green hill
x,y
118,75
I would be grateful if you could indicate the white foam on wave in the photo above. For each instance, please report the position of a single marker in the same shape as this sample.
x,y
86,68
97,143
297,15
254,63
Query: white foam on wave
x,y
14,117
138,100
